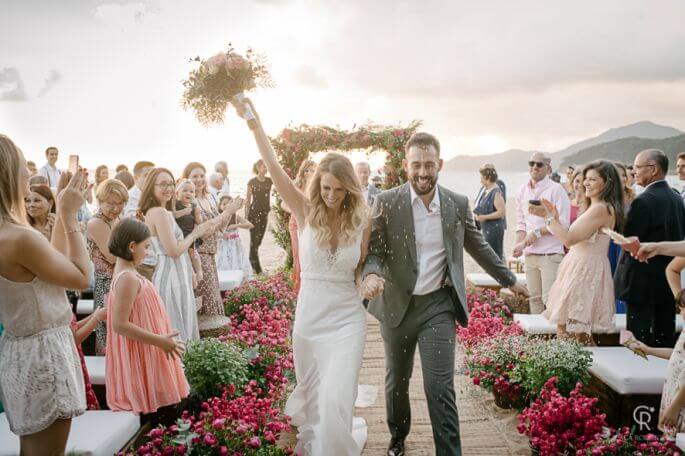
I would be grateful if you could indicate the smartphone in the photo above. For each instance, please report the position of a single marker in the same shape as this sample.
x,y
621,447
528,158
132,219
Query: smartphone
x,y
73,164
535,202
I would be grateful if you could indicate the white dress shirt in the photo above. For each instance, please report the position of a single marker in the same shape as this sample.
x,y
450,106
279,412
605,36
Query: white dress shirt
x,y
51,173
132,203
226,187
431,256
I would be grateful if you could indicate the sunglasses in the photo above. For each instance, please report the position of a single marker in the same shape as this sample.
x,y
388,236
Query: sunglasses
x,y
536,164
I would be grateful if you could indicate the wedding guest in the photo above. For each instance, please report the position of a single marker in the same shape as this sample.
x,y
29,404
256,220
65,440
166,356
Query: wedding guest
x,y
33,170
216,183
140,170
306,171
49,170
581,300
568,185
230,254
144,371
187,215
111,196
491,211
657,214
84,213
579,201
173,275
208,288
38,180
81,330
628,192
543,252
101,174
680,169
36,314
363,171
555,177
121,168
40,210
672,409
257,206
631,182
500,184
615,249
126,178
221,167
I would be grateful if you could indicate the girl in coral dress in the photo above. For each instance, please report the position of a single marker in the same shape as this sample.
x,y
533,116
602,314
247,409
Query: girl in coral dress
x,y
144,371
581,300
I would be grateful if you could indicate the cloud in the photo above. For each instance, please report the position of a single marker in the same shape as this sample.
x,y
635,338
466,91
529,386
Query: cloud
x,y
11,85
53,78
308,76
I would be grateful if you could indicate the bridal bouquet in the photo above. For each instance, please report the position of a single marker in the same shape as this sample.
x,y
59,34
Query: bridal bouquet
x,y
223,79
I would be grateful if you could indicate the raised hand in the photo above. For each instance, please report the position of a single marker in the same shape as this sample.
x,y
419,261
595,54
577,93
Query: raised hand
x,y
70,200
233,207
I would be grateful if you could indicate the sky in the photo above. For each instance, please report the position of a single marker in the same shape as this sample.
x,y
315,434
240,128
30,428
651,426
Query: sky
x,y
102,78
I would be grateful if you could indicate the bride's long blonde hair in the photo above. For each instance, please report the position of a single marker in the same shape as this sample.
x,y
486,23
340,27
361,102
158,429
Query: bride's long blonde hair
x,y
354,215
12,208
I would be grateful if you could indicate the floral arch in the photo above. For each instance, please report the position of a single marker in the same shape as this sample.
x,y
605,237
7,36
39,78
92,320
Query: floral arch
x,y
294,145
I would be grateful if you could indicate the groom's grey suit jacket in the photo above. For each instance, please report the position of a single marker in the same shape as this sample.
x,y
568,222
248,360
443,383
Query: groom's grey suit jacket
x,y
392,252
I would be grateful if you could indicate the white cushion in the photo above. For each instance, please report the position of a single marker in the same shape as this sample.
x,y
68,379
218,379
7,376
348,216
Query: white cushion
x,y
626,373
228,280
96,369
537,324
680,441
96,432
85,307
481,279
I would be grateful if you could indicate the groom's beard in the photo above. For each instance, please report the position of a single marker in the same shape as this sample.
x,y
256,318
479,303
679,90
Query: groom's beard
x,y
429,186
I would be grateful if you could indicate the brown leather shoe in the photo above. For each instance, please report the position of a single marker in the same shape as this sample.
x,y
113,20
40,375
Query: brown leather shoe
x,y
396,447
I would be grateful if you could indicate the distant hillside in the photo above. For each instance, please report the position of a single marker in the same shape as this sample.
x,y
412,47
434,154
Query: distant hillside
x,y
624,150
515,159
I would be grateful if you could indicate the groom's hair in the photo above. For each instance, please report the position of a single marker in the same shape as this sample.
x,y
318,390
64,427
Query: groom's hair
x,y
422,140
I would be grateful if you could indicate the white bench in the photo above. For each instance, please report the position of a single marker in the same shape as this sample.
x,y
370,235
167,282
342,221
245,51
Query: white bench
x,y
229,280
483,280
96,432
628,386
96,369
85,307
680,441
536,324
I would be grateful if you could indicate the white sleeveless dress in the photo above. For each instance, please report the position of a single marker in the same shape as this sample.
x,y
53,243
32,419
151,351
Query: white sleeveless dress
x,y
328,345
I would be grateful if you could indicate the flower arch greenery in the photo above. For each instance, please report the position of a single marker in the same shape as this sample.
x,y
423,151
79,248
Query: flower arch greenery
x,y
295,144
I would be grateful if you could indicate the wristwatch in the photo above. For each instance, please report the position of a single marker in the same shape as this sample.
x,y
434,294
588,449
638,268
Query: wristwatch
x,y
537,233
549,220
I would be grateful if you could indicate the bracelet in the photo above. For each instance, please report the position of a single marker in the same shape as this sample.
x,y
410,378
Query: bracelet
x,y
549,220
72,231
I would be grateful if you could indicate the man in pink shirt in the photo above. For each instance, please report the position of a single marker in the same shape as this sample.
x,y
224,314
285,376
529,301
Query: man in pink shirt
x,y
542,251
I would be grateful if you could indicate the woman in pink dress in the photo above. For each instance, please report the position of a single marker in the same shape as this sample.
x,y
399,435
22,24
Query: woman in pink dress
x,y
307,169
581,300
144,371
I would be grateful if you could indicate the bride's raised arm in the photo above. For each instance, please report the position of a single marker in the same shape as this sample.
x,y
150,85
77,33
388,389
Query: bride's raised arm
x,y
291,196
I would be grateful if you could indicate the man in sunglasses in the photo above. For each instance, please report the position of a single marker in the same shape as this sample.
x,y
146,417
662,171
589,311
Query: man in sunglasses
x,y
542,251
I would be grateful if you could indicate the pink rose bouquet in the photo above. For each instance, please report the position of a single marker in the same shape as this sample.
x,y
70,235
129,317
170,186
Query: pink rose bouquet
x,y
223,79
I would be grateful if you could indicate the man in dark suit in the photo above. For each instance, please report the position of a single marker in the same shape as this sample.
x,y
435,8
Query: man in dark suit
x,y
415,269
656,215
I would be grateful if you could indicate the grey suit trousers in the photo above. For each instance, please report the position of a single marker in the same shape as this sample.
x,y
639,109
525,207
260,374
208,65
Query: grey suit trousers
x,y
430,324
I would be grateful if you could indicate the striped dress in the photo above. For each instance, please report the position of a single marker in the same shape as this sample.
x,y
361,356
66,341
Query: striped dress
x,y
174,281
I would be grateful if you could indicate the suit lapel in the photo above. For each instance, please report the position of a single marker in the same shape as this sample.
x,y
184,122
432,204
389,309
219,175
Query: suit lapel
x,y
447,214
407,220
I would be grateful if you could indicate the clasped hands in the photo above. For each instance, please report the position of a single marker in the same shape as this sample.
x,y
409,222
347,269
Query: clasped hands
x,y
372,286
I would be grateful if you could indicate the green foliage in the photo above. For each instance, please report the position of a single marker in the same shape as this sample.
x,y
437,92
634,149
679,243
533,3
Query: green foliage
x,y
567,360
211,364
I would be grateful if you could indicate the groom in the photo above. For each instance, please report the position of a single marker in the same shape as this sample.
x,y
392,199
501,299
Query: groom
x,y
415,275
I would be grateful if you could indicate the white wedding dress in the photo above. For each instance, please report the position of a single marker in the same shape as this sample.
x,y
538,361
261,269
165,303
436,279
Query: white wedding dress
x,y
328,345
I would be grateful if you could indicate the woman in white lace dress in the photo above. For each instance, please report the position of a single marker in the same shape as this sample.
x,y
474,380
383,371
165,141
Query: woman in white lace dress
x,y
330,321
41,382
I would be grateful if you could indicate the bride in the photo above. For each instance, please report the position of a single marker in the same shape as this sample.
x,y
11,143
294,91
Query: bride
x,y
330,321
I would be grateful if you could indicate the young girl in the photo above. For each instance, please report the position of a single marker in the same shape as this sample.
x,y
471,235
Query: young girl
x,y
672,413
144,370
231,254
187,215
81,330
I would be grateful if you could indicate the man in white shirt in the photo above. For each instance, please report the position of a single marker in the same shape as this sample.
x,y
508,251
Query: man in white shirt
x,y
216,185
49,170
140,171
363,171
221,167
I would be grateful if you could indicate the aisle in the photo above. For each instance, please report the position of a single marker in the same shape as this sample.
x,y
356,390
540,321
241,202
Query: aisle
x,y
485,430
